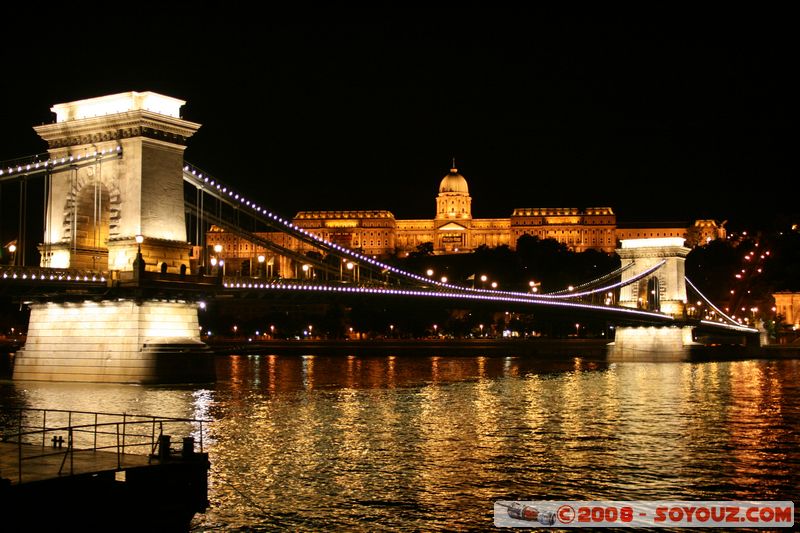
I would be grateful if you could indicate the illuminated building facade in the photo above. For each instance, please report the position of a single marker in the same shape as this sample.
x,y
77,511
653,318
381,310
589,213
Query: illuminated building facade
x,y
699,233
787,304
454,230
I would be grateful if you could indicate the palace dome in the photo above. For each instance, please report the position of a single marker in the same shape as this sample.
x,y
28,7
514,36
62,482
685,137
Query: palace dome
x,y
454,182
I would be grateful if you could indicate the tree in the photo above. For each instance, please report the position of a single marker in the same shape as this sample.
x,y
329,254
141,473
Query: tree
x,y
424,249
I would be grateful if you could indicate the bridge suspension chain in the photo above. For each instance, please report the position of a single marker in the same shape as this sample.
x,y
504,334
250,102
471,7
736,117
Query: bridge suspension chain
x,y
611,287
223,193
601,279
708,302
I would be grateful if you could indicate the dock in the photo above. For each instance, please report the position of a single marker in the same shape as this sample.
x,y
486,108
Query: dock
x,y
100,472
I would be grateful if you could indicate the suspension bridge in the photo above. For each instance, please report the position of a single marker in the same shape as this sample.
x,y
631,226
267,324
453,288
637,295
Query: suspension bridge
x,y
116,292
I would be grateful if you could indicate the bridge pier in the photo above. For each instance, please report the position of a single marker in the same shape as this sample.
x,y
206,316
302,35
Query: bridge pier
x,y
114,341
651,343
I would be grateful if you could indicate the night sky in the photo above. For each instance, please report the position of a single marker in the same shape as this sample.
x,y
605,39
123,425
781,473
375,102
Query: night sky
x,y
662,115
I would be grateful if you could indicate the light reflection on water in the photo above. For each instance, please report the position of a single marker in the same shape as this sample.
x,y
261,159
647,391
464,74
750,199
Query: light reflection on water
x,y
428,443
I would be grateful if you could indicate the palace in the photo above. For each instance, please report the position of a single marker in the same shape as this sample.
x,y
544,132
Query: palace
x,y
453,230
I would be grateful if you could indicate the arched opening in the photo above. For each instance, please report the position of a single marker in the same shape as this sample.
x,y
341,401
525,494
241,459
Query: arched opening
x,y
92,221
649,295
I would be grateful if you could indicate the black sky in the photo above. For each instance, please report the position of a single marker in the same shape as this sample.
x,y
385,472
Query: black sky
x,y
663,115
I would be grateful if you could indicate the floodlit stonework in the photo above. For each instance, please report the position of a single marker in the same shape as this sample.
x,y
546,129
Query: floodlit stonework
x,y
122,194
115,342
663,291
126,180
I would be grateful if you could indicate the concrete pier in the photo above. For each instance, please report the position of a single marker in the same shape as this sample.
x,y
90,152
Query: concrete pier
x,y
651,343
114,341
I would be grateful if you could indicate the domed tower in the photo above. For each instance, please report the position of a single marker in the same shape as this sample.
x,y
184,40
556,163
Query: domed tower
x,y
453,201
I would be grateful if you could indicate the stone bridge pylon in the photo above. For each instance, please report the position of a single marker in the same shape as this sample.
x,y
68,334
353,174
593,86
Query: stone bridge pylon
x,y
120,196
663,291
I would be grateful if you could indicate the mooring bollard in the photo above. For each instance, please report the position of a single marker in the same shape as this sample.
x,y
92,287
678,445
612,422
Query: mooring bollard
x,y
163,447
188,448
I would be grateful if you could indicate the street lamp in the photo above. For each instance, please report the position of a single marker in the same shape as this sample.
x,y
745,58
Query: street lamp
x,y
138,263
13,249
352,266
481,327
261,272
429,272
577,330
435,330
494,284
444,279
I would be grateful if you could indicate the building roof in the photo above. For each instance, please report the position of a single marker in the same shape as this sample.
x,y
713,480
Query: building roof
x,y
306,215
454,182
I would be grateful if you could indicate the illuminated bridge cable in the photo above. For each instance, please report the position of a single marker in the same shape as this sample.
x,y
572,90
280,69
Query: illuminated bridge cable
x,y
627,282
224,194
710,304
249,285
269,245
42,163
601,279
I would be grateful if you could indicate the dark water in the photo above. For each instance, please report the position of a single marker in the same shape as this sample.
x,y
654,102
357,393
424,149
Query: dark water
x,y
428,443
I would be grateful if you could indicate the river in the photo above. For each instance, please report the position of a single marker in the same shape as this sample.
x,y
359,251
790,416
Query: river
x,y
417,442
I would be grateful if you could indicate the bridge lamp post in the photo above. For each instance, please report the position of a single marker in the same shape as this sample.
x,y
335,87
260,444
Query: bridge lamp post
x,y
435,330
481,328
261,272
494,284
216,260
483,281
577,330
429,272
444,279
138,263
354,269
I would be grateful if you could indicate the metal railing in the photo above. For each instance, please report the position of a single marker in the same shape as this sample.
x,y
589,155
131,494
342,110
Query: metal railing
x,y
90,431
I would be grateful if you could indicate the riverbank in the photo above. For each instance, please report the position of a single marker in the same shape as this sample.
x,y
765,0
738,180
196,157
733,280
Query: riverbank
x,y
538,346
543,347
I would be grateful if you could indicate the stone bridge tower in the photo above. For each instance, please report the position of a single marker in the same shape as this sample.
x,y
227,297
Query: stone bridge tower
x,y
126,180
664,291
